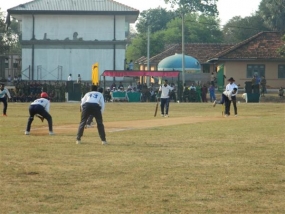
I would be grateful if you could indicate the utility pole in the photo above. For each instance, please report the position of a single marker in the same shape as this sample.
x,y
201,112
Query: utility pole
x,y
148,48
183,50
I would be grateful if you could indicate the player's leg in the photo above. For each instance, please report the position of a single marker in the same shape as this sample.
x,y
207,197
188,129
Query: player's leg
x,y
234,101
227,106
47,116
99,120
162,105
5,105
32,112
166,106
84,116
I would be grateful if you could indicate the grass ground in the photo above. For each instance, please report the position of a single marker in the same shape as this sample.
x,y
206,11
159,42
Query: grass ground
x,y
195,161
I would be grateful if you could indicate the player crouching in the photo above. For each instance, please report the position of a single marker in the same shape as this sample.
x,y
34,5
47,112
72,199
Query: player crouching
x,y
40,107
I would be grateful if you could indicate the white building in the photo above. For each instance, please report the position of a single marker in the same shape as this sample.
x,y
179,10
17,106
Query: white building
x,y
62,37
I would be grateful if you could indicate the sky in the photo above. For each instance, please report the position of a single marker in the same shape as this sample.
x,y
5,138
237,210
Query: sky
x,y
227,8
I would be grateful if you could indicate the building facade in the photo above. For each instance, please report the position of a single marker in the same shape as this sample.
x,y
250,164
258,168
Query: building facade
x,y
62,37
257,55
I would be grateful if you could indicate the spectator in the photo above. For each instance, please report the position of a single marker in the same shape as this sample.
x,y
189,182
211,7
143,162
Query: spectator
x,y
263,86
204,91
281,92
69,78
131,65
9,78
212,93
192,87
78,78
213,79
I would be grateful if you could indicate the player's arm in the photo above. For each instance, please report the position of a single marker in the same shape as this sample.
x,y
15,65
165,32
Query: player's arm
x,y
102,103
47,106
8,93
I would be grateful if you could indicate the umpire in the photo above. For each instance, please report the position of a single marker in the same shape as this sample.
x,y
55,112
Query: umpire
x,y
92,104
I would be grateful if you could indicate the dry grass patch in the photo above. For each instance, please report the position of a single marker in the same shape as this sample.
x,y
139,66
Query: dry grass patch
x,y
196,161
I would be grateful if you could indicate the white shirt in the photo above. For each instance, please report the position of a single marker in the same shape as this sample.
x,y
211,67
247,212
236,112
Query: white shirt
x,y
231,87
229,94
165,90
43,102
94,97
69,78
5,91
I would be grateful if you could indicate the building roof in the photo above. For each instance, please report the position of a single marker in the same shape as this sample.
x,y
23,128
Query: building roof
x,y
87,7
201,51
262,46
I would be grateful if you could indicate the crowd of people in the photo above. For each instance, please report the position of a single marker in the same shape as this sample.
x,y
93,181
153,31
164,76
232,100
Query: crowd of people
x,y
27,91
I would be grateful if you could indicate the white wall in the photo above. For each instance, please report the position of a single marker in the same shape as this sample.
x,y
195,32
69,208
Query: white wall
x,y
60,27
74,61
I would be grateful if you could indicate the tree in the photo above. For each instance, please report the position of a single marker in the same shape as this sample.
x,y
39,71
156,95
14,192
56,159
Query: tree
x,y
9,38
208,7
273,13
238,29
156,18
203,28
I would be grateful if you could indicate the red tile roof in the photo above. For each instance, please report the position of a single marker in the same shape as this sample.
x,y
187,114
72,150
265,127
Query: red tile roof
x,y
201,51
263,45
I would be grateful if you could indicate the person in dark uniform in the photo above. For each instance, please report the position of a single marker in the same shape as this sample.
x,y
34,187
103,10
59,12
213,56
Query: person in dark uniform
x,y
40,107
92,104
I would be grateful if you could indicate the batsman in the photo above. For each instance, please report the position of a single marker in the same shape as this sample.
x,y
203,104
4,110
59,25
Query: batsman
x,y
164,91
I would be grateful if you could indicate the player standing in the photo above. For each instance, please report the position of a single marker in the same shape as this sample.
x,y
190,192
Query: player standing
x,y
4,92
41,107
164,91
92,104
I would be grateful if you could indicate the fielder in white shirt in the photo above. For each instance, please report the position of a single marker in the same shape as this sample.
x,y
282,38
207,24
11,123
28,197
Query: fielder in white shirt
x,y
92,104
40,107
164,91
4,92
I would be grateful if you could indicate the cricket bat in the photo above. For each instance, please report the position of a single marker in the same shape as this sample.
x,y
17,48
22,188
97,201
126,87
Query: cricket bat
x,y
156,107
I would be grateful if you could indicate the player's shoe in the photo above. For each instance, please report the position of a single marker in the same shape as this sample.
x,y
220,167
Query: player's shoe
x,y
4,115
236,115
27,133
226,115
104,143
166,115
51,133
89,126
214,103
162,115
78,142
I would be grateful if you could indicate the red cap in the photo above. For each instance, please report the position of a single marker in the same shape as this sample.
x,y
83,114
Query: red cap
x,y
44,95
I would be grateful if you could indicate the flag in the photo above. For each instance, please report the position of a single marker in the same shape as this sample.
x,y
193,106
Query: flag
x,y
220,78
95,74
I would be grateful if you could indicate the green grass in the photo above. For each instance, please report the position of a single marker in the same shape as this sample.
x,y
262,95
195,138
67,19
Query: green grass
x,y
227,165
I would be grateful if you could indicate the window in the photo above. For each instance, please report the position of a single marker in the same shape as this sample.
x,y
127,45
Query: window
x,y
127,29
206,68
255,70
281,71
